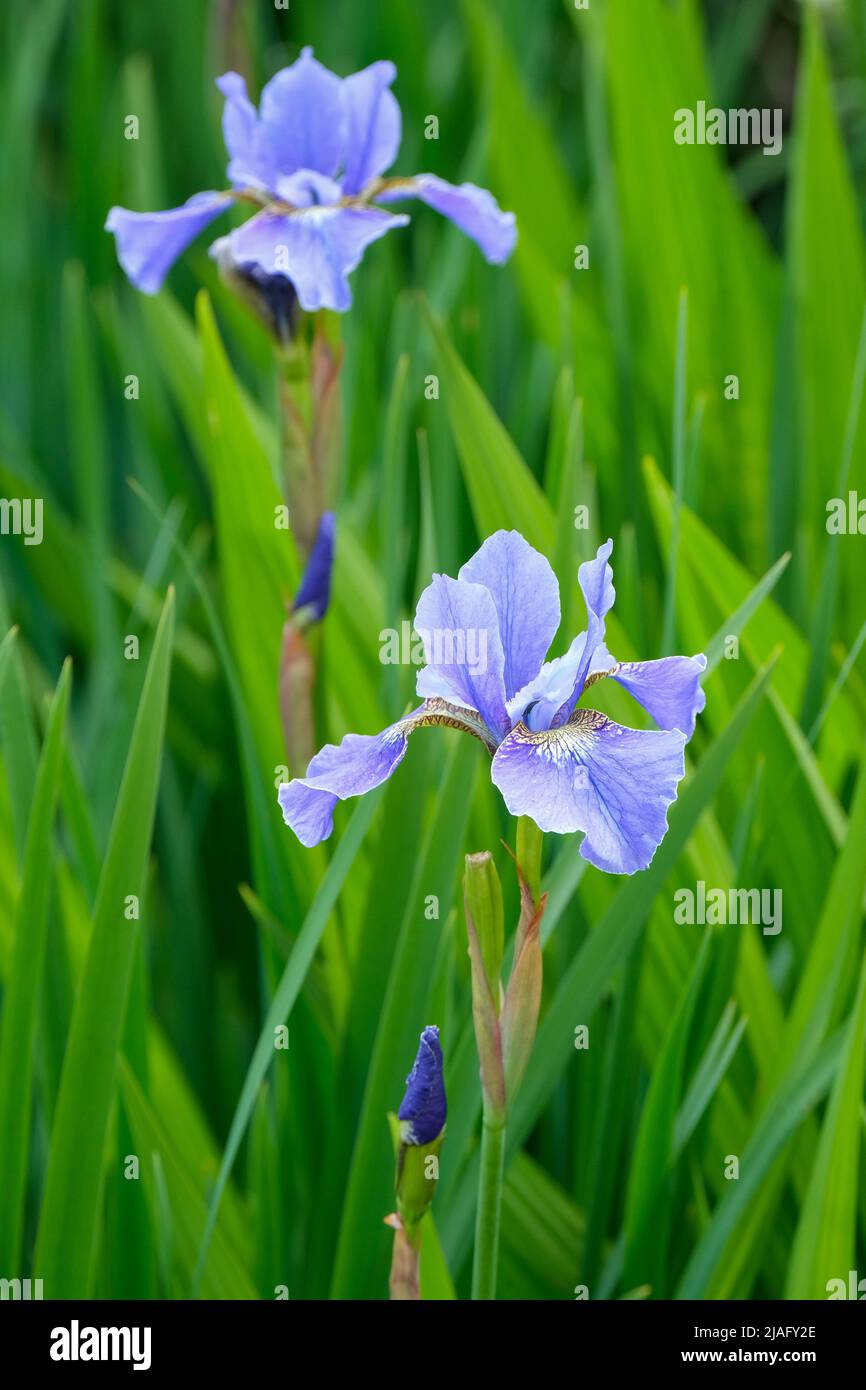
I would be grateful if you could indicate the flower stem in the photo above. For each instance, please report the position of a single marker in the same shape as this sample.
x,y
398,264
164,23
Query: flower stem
x,y
528,851
404,1283
489,1208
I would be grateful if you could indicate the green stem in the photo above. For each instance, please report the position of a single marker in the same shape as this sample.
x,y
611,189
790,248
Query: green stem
x,y
528,853
489,1207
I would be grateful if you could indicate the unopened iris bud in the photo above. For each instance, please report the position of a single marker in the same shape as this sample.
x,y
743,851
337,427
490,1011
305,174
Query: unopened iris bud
x,y
423,1109
272,298
421,1119
314,594
483,897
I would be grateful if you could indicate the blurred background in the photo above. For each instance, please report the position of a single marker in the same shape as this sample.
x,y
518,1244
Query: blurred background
x,y
609,387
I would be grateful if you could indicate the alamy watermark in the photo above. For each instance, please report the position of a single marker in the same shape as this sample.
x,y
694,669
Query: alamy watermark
x,y
22,517
20,1290
719,907
852,1287
738,126
441,646
77,1343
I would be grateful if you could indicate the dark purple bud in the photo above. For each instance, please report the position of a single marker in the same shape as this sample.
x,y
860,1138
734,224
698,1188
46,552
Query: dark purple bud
x,y
271,297
312,598
424,1109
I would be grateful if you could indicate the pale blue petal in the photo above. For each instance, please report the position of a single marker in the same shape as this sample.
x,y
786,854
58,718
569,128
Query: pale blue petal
x,y
472,209
669,689
459,626
302,117
316,249
248,166
614,784
374,125
149,243
596,583
305,189
538,701
356,765
526,596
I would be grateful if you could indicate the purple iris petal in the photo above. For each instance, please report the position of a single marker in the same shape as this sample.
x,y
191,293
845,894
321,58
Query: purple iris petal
x,y
423,1109
356,765
526,595
375,125
538,702
317,249
302,118
668,689
148,243
247,165
315,589
595,578
459,626
305,189
614,784
472,209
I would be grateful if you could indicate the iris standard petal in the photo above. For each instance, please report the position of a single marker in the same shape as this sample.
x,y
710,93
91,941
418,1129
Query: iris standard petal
x,y
669,689
305,189
538,702
374,125
302,118
459,627
472,209
596,583
246,166
526,596
317,249
614,784
358,764
423,1109
149,243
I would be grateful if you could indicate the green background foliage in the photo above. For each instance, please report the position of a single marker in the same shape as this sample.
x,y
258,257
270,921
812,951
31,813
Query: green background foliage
x,y
155,778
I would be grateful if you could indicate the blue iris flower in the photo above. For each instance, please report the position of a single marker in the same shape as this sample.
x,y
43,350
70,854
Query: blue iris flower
x,y
486,635
311,159
423,1109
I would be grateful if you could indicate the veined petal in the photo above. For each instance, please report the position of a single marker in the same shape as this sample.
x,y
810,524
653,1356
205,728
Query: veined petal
x,y
614,784
302,117
537,702
374,125
596,583
316,249
305,189
241,134
357,765
149,243
472,209
669,689
526,596
459,627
